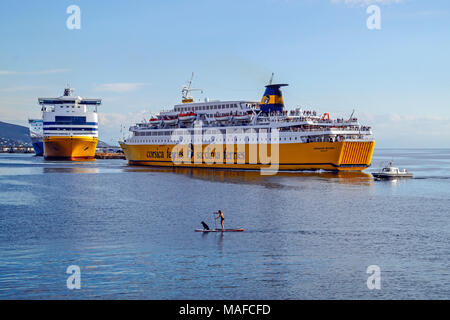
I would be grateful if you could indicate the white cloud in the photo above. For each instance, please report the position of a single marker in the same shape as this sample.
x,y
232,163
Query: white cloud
x,y
115,120
408,130
366,2
120,87
14,72
114,126
23,88
17,115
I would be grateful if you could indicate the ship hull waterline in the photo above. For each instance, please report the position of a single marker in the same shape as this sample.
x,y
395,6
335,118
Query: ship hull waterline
x,y
328,156
71,148
38,148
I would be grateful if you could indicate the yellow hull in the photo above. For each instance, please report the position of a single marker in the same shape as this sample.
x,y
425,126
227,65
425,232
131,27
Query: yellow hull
x,y
70,148
332,156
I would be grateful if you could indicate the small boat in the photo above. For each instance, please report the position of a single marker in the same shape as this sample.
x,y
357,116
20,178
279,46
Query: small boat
x,y
219,230
391,172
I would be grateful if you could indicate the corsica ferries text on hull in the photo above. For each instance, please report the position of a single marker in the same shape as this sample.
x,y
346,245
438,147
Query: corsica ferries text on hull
x,y
249,135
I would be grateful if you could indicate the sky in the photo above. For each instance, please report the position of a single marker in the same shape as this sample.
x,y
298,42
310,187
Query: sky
x,y
137,55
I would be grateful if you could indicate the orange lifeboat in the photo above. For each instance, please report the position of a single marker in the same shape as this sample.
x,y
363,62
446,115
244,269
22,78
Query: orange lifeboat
x,y
187,116
223,117
170,120
243,116
155,122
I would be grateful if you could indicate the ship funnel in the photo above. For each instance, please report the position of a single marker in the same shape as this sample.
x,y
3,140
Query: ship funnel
x,y
272,99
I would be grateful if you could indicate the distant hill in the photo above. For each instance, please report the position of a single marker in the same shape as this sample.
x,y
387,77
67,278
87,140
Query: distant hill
x,y
102,144
12,135
15,135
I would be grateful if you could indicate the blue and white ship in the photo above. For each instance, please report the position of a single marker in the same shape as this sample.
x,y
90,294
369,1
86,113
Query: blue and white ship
x,y
37,135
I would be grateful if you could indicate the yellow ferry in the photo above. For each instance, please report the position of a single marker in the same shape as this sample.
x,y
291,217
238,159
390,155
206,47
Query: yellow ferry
x,y
249,135
70,127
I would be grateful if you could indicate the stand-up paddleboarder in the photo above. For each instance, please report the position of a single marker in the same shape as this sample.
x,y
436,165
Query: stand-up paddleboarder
x,y
220,215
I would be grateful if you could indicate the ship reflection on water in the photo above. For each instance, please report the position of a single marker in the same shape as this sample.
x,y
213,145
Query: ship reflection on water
x,y
70,170
255,177
215,175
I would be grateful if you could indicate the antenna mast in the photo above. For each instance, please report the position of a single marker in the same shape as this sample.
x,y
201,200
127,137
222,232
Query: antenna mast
x,y
271,79
186,91
351,116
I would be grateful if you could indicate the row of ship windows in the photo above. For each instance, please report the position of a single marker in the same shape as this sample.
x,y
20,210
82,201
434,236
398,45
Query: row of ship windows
x,y
70,129
211,107
220,140
253,130
168,133
67,107
66,111
72,133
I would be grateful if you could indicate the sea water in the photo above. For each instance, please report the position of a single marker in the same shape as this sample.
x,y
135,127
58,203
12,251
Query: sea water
x,y
308,235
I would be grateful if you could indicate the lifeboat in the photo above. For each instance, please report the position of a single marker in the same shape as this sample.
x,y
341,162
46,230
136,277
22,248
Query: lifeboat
x,y
187,116
170,120
155,122
222,117
242,116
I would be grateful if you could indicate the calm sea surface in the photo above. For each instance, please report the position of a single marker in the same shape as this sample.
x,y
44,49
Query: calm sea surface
x,y
308,235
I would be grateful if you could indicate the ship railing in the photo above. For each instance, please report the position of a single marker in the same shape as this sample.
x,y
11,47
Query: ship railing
x,y
362,129
328,129
308,118
356,139
341,134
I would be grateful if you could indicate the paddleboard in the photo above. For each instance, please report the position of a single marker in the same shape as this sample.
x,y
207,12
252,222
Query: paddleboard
x,y
219,230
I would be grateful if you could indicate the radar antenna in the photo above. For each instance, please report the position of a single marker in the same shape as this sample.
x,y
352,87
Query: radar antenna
x,y
68,91
186,91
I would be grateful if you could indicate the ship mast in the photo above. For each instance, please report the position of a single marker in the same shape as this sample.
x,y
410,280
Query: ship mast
x,y
271,79
186,92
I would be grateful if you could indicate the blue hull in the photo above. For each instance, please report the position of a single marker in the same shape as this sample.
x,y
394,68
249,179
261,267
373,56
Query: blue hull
x,y
38,148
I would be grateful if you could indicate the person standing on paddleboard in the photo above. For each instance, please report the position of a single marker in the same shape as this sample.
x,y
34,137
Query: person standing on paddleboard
x,y
220,215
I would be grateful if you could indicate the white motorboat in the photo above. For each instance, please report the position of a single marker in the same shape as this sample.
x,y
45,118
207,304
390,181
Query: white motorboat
x,y
390,172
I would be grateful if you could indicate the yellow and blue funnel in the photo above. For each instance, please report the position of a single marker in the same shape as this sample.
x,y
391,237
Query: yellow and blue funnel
x,y
272,99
